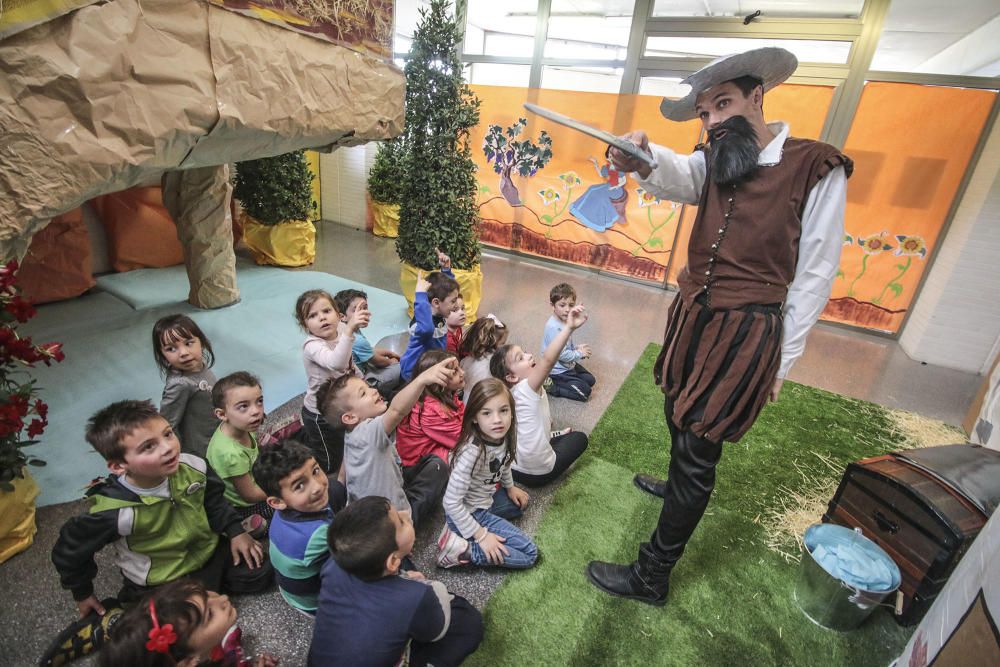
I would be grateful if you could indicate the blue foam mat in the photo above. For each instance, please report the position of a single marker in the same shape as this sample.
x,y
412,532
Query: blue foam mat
x,y
109,351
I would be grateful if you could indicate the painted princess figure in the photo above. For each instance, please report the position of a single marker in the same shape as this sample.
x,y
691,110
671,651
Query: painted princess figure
x,y
602,205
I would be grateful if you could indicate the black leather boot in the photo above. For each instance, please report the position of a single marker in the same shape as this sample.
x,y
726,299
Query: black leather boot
x,y
649,484
646,580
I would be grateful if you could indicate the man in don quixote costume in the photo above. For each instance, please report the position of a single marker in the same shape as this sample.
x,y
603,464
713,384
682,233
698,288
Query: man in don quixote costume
x,y
763,254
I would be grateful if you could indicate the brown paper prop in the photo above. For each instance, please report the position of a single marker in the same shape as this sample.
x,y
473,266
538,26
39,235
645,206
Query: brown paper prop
x,y
116,94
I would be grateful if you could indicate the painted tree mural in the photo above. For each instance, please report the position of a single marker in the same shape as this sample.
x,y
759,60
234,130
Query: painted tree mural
x,y
508,155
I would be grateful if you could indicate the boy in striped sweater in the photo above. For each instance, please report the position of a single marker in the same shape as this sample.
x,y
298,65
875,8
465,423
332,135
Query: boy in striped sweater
x,y
304,499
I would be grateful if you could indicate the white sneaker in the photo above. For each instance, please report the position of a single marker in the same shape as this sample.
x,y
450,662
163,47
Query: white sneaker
x,y
451,548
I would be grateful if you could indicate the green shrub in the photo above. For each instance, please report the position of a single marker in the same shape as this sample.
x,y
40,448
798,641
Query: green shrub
x,y
438,194
275,189
386,175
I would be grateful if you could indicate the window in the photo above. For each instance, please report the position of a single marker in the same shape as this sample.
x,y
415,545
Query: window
x,y
663,86
934,38
589,30
590,79
496,74
504,28
773,8
806,50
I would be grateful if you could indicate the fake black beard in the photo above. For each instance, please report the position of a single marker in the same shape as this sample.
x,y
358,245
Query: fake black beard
x,y
734,156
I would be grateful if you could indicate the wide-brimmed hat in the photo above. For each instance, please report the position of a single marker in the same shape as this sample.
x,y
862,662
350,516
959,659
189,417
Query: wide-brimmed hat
x,y
771,64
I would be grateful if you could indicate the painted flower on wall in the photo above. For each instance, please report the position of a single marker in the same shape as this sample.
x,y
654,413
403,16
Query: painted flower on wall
x,y
874,244
911,246
646,198
570,180
848,239
549,196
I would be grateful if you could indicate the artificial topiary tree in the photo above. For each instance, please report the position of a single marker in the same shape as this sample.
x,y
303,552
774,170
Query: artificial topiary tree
x,y
438,194
275,189
385,176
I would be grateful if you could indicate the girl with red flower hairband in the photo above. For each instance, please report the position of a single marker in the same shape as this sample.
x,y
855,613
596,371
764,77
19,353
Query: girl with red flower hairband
x,y
180,624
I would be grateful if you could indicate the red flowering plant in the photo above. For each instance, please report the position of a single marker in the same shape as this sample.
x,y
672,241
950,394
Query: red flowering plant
x,y
23,416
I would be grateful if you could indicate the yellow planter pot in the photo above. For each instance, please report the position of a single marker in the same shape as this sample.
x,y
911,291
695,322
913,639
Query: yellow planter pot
x,y
290,243
17,517
470,283
385,219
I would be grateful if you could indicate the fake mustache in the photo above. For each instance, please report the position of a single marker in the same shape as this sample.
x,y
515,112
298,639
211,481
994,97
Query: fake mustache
x,y
738,126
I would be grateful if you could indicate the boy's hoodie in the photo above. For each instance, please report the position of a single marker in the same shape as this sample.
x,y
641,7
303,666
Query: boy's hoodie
x,y
158,539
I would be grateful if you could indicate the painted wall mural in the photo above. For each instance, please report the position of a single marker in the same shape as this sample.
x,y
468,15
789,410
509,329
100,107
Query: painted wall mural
x,y
557,196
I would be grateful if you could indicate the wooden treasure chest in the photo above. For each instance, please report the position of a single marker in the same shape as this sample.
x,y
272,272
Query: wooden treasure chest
x,y
924,507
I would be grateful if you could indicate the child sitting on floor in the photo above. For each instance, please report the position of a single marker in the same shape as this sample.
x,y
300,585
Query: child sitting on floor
x,y
370,459
371,614
456,328
569,378
326,353
541,455
181,624
472,532
379,365
164,510
184,356
481,340
431,429
435,297
239,405
304,499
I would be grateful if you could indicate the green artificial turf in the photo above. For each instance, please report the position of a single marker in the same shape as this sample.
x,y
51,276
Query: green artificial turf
x,y
731,597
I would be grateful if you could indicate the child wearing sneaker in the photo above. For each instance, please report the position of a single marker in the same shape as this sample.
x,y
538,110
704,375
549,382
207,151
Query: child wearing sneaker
x,y
181,623
239,405
542,455
372,614
569,378
473,533
481,340
163,509
370,459
304,499
379,365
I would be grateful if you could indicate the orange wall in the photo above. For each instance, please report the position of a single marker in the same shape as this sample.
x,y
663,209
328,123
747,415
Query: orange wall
x,y
911,145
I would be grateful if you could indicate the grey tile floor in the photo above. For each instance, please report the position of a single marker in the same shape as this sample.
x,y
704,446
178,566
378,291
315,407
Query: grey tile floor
x,y
624,318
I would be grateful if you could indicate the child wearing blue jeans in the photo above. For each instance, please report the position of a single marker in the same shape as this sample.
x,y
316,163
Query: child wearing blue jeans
x,y
569,378
473,533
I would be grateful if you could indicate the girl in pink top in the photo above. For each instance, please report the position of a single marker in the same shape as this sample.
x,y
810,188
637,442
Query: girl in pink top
x,y
434,424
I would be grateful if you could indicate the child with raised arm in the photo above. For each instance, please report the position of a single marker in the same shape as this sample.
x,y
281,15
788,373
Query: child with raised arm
x,y
480,342
304,499
239,405
541,455
372,613
370,459
379,365
181,624
184,356
569,378
472,532
326,354
163,509
435,297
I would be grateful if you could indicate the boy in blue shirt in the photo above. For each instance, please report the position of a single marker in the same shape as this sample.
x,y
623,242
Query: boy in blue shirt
x,y
373,615
436,296
569,378
304,500
380,365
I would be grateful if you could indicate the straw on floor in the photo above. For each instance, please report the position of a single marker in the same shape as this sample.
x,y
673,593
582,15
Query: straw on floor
x,y
731,595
